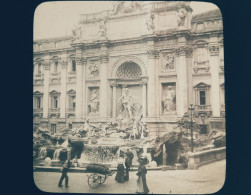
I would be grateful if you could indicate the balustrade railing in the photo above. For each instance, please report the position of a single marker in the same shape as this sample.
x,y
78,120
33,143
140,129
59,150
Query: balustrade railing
x,y
203,107
70,110
37,110
54,110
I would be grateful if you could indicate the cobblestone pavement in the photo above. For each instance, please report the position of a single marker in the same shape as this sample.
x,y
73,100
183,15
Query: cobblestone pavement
x,y
207,179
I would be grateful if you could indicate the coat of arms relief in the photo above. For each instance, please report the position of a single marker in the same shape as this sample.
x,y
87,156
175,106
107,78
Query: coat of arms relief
x,y
167,63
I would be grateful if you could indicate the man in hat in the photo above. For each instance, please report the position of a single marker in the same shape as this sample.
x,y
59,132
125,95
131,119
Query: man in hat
x,y
64,175
128,163
142,187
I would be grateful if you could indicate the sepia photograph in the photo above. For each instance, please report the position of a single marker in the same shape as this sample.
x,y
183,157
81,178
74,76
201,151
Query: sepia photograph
x,y
128,97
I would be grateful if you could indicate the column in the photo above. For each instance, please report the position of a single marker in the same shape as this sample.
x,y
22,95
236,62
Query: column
x,y
151,96
64,64
143,87
114,101
215,81
47,66
182,92
79,87
84,106
103,85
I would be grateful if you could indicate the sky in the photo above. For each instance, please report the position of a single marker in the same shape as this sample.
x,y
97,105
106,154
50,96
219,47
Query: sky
x,y
55,19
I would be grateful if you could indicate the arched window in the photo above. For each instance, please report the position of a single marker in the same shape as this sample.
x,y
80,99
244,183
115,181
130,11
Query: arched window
x,y
129,70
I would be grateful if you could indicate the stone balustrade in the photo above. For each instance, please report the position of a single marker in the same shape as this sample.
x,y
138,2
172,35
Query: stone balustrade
x,y
198,159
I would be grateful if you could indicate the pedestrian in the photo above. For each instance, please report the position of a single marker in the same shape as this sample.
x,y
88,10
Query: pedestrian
x,y
64,175
120,176
142,187
128,163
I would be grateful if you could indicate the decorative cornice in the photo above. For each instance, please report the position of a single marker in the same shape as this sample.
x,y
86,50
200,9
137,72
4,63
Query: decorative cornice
x,y
213,50
152,54
104,58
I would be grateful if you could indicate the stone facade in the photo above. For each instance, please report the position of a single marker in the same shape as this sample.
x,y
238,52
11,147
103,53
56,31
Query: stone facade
x,y
146,47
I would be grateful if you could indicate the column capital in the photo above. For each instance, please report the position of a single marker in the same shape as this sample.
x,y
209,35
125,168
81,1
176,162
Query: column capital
x,y
142,83
184,51
80,60
104,58
64,63
47,64
124,85
152,54
213,50
114,85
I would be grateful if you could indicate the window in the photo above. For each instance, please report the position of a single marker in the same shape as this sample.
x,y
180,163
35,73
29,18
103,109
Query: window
x,y
202,97
201,54
55,66
55,102
70,126
73,67
72,102
39,65
38,102
71,99
53,128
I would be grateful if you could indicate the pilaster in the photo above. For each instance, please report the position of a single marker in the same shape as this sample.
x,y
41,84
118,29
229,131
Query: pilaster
x,y
104,59
47,66
64,64
215,80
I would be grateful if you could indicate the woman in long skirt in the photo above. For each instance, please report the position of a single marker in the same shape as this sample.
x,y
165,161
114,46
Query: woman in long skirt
x,y
120,176
142,187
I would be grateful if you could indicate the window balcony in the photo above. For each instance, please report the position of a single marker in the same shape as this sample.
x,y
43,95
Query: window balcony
x,y
54,110
37,110
203,109
222,110
70,112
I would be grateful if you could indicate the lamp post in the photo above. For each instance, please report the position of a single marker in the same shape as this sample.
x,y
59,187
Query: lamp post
x,y
188,124
191,108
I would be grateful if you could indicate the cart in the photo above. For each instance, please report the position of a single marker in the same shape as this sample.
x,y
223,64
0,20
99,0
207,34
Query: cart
x,y
97,174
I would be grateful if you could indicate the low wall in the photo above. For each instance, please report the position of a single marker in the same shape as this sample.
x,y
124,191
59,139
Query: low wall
x,y
198,159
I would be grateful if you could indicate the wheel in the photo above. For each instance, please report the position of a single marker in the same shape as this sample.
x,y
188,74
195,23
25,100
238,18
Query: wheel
x,y
94,180
102,178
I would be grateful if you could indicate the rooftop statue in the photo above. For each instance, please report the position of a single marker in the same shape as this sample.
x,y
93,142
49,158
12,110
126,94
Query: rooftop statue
x,y
126,6
150,24
182,13
77,34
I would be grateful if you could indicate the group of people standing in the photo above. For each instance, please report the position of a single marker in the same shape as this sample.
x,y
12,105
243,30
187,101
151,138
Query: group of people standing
x,y
123,169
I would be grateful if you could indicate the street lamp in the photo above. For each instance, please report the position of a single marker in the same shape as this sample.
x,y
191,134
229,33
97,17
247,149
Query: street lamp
x,y
191,108
188,124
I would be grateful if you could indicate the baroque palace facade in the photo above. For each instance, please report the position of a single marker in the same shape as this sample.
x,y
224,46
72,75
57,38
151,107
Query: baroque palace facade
x,y
165,57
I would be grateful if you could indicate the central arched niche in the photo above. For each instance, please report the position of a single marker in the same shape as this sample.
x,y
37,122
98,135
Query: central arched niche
x,y
129,70
128,61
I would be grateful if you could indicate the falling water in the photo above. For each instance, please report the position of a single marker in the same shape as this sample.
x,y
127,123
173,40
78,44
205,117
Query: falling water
x,y
57,144
42,152
65,144
56,154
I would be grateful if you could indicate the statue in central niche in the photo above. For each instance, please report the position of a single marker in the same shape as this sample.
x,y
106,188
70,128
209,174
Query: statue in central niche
x,y
126,100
